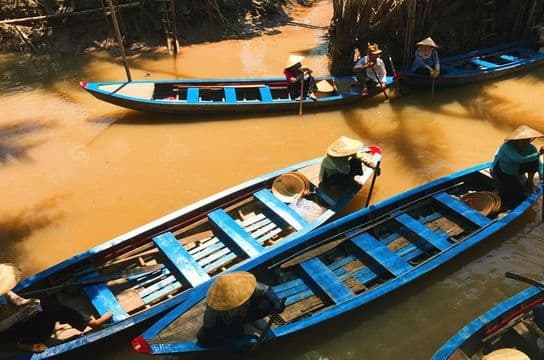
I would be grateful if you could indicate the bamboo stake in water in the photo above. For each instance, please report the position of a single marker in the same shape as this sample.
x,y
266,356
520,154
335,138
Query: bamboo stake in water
x,y
119,39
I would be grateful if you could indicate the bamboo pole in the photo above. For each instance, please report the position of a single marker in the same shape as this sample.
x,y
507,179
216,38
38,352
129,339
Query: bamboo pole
x,y
409,38
58,16
119,38
174,26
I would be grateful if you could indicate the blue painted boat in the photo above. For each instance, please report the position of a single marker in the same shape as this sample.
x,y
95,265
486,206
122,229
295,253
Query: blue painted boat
x,y
146,271
508,325
480,65
221,96
353,260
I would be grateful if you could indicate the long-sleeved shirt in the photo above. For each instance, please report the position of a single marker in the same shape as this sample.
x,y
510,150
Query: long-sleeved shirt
x,y
421,61
371,71
509,157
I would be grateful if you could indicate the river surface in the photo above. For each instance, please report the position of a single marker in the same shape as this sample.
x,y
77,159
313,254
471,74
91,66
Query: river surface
x,y
75,172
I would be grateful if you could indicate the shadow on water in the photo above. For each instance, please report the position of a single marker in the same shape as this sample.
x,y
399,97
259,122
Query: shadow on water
x,y
14,228
11,144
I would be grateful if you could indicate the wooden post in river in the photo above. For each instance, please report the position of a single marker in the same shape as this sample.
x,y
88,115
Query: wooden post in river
x,y
409,35
119,38
174,28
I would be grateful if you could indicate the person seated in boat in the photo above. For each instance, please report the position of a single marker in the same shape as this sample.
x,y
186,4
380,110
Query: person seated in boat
x,y
370,69
342,166
30,322
515,164
299,76
426,59
235,307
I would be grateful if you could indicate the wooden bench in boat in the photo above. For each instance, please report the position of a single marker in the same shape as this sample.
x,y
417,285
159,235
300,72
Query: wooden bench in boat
x,y
462,209
179,261
281,209
326,280
484,63
423,232
103,298
233,234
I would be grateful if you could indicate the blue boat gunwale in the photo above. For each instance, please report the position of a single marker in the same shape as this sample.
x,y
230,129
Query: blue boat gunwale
x,y
199,293
479,323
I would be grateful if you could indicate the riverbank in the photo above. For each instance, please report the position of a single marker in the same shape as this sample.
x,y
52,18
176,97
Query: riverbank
x,y
52,27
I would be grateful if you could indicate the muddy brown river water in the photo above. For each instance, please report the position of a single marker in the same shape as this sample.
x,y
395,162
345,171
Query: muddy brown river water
x,y
76,172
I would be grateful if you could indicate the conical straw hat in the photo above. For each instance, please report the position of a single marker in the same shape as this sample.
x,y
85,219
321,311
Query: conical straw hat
x,y
289,187
480,201
427,42
293,60
506,354
344,146
524,132
324,86
9,277
231,290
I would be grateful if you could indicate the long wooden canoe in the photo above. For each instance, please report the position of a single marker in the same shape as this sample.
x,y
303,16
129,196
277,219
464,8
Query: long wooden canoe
x,y
146,271
221,96
508,325
374,251
480,65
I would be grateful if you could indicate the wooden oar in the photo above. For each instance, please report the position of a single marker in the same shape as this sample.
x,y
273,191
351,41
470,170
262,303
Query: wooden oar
x,y
123,275
524,279
432,86
382,86
301,95
269,324
374,176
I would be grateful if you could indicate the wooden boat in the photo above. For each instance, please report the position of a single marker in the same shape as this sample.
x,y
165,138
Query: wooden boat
x,y
353,260
480,65
148,270
215,96
508,325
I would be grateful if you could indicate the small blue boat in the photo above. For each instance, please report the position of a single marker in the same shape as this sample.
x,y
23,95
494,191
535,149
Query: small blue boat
x,y
508,325
354,260
147,271
222,96
480,65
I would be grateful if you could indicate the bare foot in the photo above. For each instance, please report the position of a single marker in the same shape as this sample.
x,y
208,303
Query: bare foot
x,y
97,323
37,348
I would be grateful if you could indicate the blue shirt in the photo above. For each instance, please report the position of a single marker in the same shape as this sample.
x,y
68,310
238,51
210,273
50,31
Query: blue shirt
x,y
509,157
423,62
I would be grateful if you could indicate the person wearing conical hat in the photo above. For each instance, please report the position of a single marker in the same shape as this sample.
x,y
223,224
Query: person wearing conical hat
x,y
370,69
342,166
515,164
426,59
299,76
236,304
30,322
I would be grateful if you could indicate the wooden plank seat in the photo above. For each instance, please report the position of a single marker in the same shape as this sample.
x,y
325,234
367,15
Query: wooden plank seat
x,y
266,94
462,209
326,280
485,64
233,235
193,95
281,209
509,57
103,298
230,95
382,254
423,232
179,261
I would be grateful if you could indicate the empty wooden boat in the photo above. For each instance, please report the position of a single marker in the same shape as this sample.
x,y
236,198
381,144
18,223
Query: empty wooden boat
x,y
510,324
480,65
148,270
355,259
222,96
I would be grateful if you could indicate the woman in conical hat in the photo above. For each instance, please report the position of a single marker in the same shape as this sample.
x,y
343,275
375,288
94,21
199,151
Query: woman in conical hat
x,y
343,163
235,305
426,59
295,74
30,322
515,162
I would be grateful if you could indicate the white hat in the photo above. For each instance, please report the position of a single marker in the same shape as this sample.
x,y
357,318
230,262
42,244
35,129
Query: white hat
x,y
293,60
9,277
524,132
506,354
427,42
344,146
324,86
